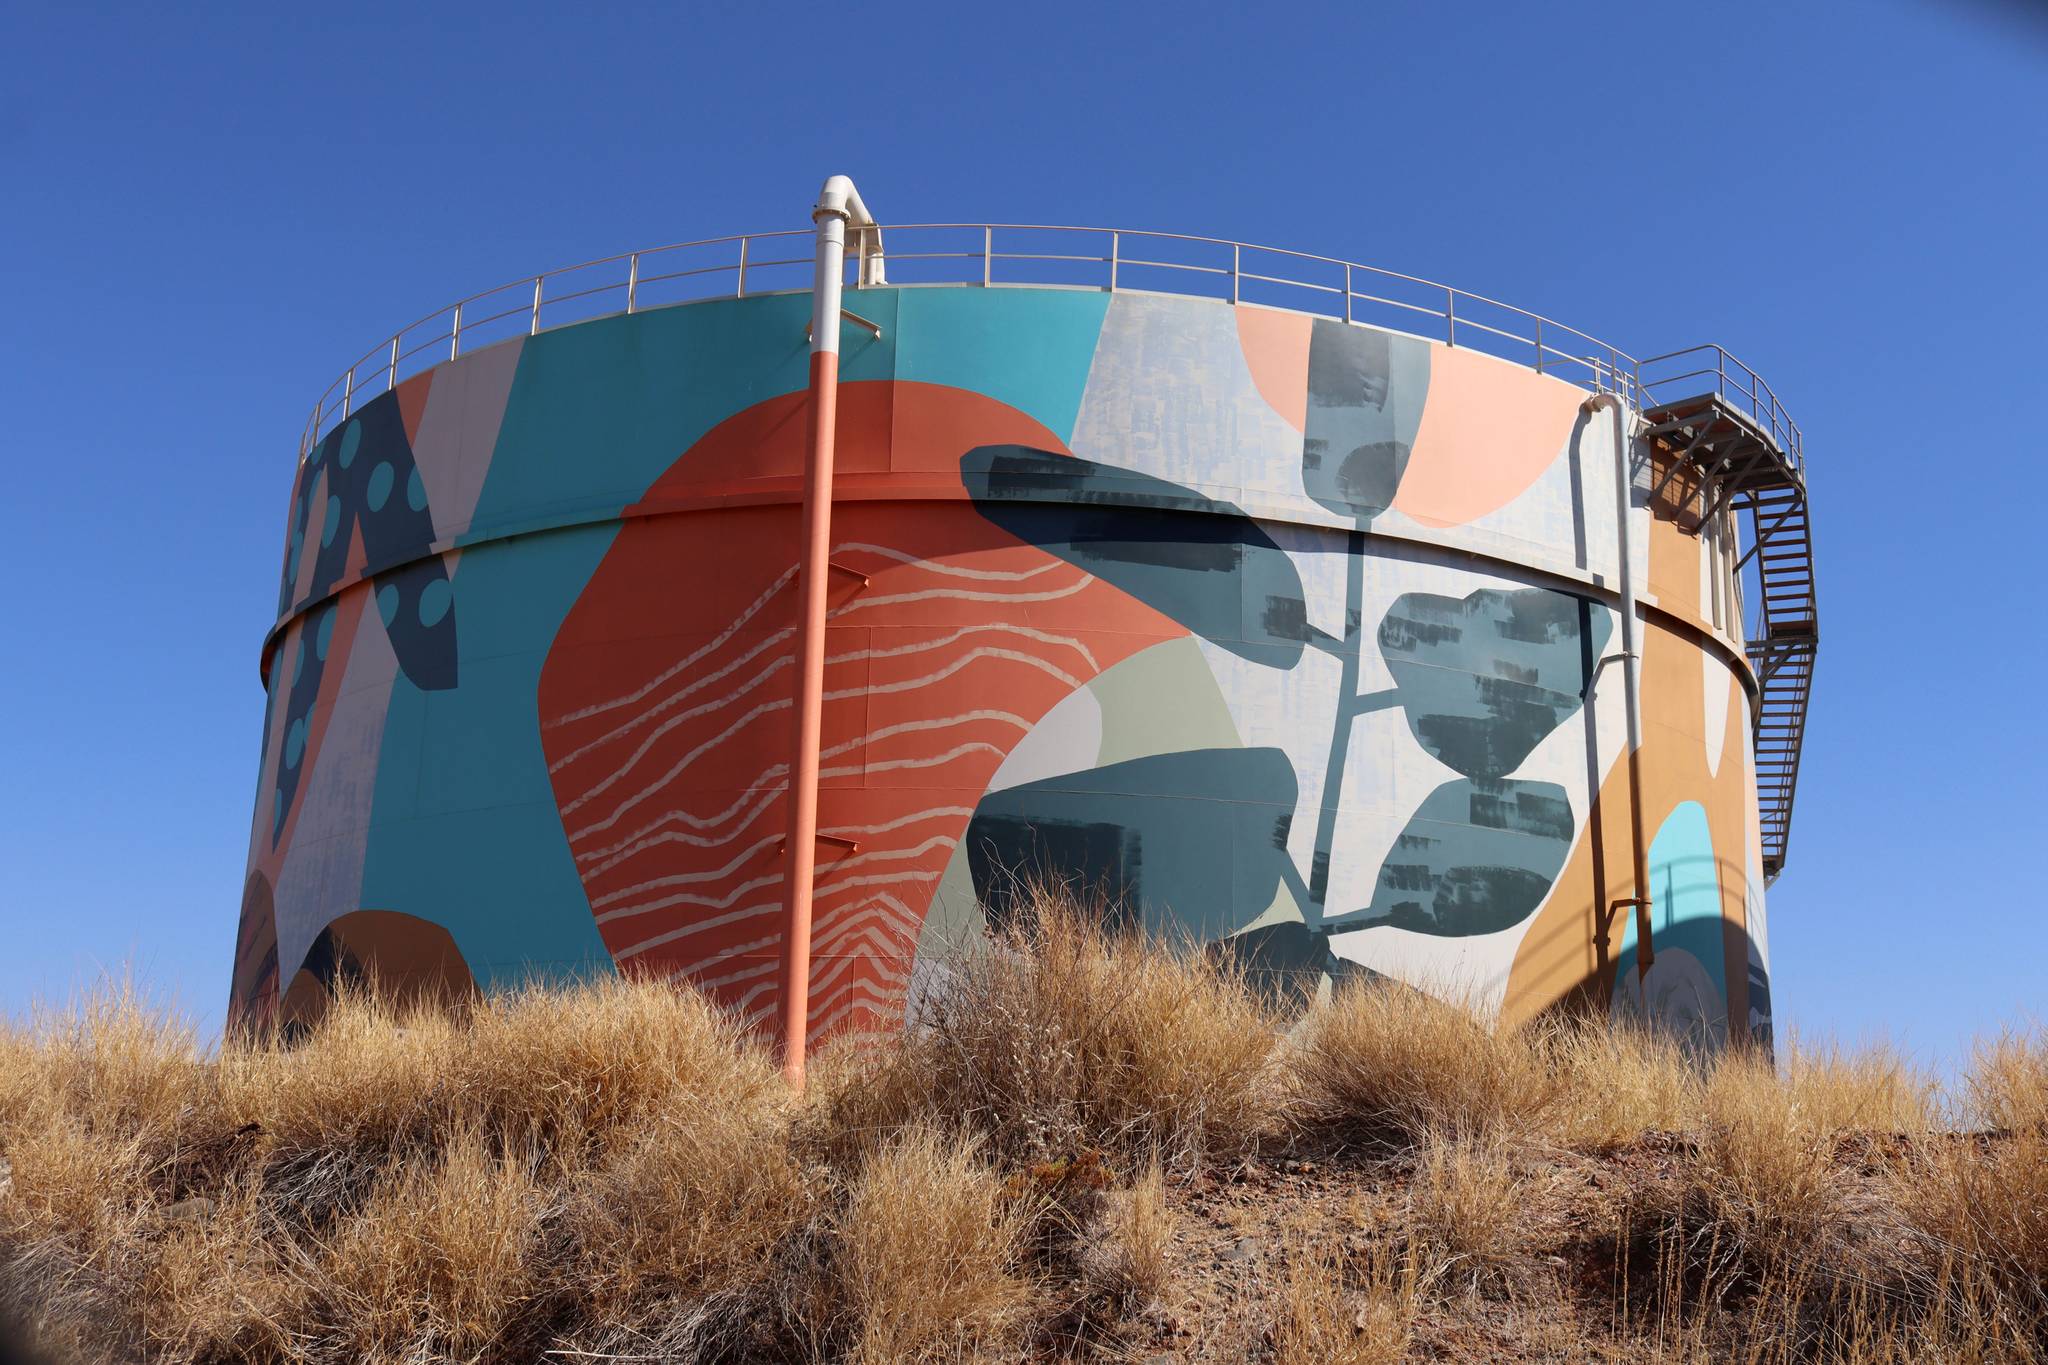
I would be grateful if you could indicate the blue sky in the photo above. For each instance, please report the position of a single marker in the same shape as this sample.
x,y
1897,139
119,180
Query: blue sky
x,y
205,216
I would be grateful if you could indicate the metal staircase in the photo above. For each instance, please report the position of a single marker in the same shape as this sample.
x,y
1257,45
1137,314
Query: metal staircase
x,y
1729,431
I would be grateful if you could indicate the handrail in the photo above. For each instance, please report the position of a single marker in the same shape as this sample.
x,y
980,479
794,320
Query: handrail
x,y
1734,381
1056,256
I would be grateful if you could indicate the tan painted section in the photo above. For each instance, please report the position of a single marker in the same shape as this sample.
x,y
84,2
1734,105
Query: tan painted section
x,y
1560,957
1677,547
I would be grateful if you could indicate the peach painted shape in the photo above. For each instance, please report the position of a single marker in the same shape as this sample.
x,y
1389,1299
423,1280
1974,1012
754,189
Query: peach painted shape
x,y
1275,349
1488,430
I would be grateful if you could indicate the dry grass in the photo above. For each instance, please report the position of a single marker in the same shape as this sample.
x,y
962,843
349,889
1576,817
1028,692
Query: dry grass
x,y
1471,1212
616,1170
1060,1035
933,1252
1393,1066
1134,1262
1338,1306
1613,1085
1978,1202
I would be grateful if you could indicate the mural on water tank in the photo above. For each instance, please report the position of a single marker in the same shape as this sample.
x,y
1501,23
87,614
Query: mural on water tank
x,y
1283,631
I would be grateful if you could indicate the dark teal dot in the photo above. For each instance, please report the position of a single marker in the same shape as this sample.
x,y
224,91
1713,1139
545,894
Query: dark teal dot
x,y
332,524
298,535
276,811
387,602
299,660
416,492
323,636
380,486
295,743
434,601
351,438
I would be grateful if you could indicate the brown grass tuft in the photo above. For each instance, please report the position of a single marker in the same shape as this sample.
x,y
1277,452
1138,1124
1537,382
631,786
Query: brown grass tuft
x,y
933,1252
1061,1034
1345,1306
1978,1202
440,1263
1392,1065
1134,1262
1471,1212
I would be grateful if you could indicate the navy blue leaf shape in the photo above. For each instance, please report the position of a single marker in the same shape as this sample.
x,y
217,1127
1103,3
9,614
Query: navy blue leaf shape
x,y
1476,858
1202,562
1192,844
1487,677
1365,394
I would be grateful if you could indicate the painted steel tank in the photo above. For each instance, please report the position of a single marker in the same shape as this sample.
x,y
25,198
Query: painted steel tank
x,y
1285,630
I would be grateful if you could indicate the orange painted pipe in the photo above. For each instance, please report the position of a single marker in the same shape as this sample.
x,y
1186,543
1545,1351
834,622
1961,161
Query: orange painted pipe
x,y
812,581
838,203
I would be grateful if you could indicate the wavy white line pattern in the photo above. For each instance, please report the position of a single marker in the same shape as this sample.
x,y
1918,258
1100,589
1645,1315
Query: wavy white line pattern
x,y
671,789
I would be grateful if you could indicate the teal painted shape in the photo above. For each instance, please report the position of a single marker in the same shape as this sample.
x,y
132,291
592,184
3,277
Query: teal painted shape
x,y
1487,677
464,830
1029,348
1686,896
1477,857
597,412
1366,389
1193,843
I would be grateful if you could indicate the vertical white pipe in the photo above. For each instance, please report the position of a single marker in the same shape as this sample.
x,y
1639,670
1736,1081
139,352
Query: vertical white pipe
x,y
1631,663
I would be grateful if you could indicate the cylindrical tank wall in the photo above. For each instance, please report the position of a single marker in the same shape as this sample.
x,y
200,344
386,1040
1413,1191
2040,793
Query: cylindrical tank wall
x,y
1273,628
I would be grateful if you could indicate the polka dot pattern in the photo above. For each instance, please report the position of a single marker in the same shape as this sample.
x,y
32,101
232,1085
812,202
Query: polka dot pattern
x,y
347,482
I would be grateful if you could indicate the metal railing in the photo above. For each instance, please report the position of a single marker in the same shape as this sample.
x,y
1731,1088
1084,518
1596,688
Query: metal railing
x,y
1017,254
1711,369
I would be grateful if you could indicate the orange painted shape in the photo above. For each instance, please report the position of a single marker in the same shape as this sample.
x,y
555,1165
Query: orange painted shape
x,y
412,403
1488,430
1276,352
1558,961
666,700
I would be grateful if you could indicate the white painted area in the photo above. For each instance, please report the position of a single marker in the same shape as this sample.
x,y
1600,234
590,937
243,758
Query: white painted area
x,y
459,431
1715,680
1067,739
1472,971
1170,395
321,877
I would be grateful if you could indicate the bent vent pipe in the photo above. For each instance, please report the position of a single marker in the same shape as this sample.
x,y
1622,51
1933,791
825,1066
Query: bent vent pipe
x,y
1631,674
839,204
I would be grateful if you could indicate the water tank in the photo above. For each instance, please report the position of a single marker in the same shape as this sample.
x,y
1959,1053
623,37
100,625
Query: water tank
x,y
1286,620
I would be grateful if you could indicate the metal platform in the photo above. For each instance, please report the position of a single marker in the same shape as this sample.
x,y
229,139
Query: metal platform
x,y
1730,434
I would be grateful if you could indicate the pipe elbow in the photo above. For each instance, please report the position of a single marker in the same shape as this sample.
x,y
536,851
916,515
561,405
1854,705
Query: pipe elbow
x,y
839,199
1597,401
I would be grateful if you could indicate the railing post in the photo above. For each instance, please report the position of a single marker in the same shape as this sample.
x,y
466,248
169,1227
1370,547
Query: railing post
x,y
455,334
1347,291
348,392
1539,345
1236,255
391,372
988,249
533,329
1115,251
632,280
741,291
1450,317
